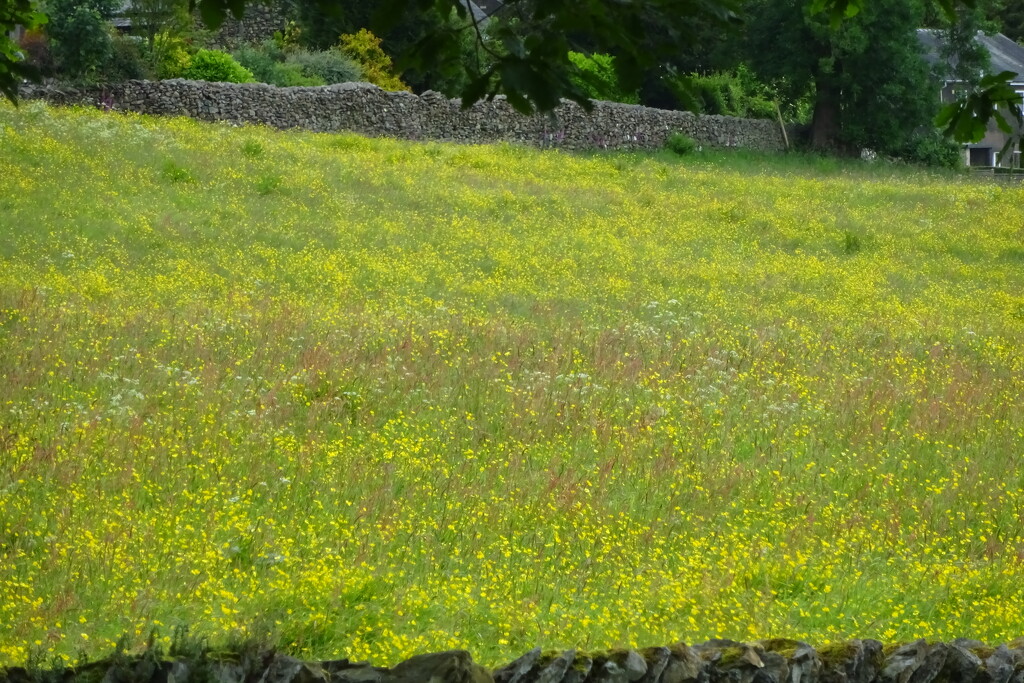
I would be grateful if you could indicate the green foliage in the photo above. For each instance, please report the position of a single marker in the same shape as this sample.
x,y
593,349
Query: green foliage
x,y
169,56
595,75
330,66
852,242
268,184
872,86
13,66
290,38
931,148
217,66
1010,16
153,17
260,59
80,36
269,63
681,144
451,39
376,65
737,93
252,149
126,61
174,173
286,74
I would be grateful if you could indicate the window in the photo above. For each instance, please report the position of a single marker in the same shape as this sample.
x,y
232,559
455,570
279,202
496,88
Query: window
x,y
981,156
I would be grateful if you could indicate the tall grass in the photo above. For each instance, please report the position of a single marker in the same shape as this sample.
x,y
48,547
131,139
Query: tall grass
x,y
369,398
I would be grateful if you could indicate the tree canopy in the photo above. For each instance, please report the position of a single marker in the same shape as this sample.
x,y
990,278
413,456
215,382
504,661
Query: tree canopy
x,y
872,88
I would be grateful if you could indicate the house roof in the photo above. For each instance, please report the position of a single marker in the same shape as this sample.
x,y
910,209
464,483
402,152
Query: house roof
x,y
474,10
482,9
1004,54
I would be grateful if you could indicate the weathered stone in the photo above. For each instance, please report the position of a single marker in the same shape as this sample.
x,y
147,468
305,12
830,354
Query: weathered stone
x,y
685,666
804,665
634,665
283,669
658,659
853,661
226,672
556,670
453,666
608,672
933,664
998,667
967,643
344,671
961,664
901,664
580,670
519,669
775,669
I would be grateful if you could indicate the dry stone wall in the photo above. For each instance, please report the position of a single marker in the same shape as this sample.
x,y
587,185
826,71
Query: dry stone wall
x,y
259,23
717,661
366,109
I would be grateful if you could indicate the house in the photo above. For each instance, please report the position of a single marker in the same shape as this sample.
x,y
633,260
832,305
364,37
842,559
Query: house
x,y
1004,55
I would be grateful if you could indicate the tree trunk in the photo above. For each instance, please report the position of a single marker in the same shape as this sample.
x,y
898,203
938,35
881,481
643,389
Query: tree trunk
x,y
825,121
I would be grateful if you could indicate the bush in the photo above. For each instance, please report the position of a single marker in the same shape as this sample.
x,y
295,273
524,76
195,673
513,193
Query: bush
x,y
932,149
364,48
125,61
270,64
287,74
331,66
681,144
260,60
596,76
36,47
169,56
216,66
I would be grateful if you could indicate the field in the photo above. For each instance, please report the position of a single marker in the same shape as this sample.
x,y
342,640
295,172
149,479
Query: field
x,y
368,398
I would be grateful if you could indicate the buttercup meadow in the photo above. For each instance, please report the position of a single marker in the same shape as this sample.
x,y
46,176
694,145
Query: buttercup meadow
x,y
370,398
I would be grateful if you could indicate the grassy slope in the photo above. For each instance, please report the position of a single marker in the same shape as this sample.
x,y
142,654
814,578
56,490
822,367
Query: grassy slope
x,y
375,398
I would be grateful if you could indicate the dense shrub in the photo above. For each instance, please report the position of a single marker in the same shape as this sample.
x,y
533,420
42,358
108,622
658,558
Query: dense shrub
x,y
364,48
270,63
286,74
681,144
260,60
126,61
597,77
213,65
331,66
932,149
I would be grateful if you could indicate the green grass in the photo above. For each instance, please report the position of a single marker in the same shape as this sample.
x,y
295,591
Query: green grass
x,y
369,398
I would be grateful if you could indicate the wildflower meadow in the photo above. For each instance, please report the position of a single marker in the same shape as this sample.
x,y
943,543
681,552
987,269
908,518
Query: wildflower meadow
x,y
370,398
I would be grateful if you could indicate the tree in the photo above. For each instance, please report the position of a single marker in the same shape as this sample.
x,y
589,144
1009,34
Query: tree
x,y
871,83
80,35
1010,16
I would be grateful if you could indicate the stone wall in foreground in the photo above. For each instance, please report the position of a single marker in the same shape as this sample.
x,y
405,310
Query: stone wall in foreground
x,y
717,661
366,109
